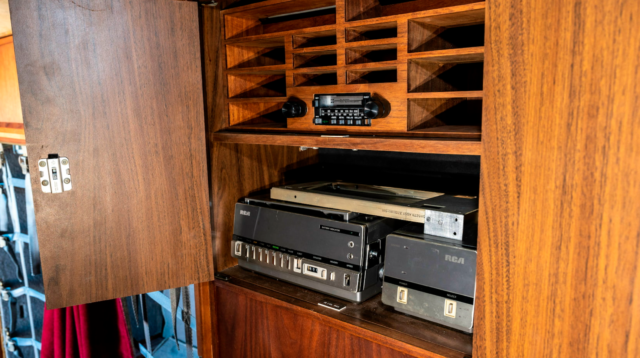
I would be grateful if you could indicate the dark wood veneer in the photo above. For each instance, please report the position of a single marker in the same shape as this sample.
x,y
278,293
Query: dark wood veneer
x,y
119,93
274,313
559,235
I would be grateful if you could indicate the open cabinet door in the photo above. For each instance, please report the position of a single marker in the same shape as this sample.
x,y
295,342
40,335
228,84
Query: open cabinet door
x,y
115,86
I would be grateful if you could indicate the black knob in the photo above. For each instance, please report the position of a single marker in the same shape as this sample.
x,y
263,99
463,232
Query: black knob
x,y
371,109
293,109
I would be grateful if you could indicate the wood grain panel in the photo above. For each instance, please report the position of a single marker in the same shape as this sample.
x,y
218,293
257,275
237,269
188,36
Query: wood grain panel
x,y
116,86
256,325
10,108
559,245
371,315
239,170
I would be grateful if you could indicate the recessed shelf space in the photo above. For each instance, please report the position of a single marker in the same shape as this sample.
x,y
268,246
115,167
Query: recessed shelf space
x,y
238,3
369,9
268,52
379,53
386,30
449,31
316,39
449,117
315,59
257,114
378,75
257,85
430,76
310,79
280,17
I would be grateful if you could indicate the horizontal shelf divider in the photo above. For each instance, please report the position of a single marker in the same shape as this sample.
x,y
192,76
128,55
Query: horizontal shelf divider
x,y
460,55
240,40
319,69
386,65
314,49
260,69
377,143
417,14
257,99
461,94
389,41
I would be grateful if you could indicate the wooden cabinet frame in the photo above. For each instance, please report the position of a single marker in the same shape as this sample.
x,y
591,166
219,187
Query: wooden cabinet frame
x,y
559,237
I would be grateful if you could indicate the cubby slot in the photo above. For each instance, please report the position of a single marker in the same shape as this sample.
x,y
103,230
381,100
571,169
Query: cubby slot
x,y
257,84
453,117
445,32
315,79
237,3
386,30
429,76
316,39
285,16
369,9
379,53
267,52
257,114
378,75
315,59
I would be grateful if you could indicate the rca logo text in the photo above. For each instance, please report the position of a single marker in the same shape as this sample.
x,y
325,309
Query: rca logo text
x,y
457,260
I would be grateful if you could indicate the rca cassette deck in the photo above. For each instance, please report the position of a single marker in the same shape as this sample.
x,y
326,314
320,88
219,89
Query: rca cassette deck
x,y
336,252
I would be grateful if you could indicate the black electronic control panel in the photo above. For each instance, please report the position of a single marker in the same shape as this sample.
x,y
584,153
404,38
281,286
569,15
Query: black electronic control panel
x,y
347,109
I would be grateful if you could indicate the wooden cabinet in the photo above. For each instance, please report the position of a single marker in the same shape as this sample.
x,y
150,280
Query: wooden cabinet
x,y
167,112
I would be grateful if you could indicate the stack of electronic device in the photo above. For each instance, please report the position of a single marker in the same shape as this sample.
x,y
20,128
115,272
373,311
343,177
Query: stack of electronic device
x,y
354,241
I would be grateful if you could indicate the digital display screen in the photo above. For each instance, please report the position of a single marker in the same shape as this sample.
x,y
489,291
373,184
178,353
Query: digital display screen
x,y
312,269
330,101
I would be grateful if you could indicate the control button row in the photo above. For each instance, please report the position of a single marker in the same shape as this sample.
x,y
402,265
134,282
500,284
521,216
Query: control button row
x,y
342,122
325,112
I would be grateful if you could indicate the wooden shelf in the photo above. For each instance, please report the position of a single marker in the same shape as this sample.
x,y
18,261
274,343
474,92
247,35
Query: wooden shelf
x,y
339,141
459,55
471,132
266,99
259,70
371,315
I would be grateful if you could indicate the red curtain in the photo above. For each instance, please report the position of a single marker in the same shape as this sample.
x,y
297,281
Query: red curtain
x,y
95,330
